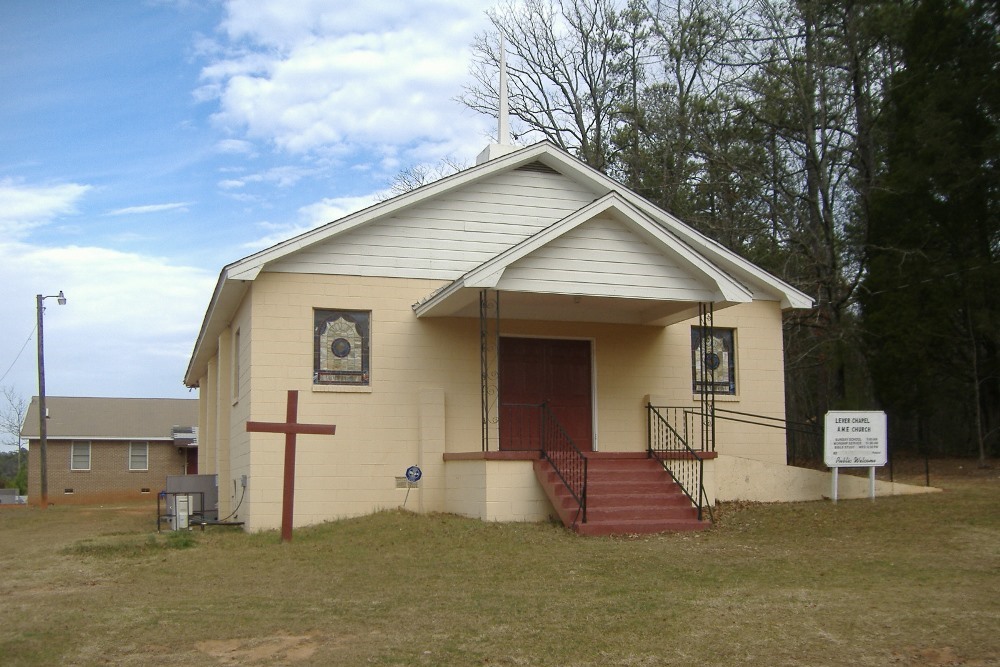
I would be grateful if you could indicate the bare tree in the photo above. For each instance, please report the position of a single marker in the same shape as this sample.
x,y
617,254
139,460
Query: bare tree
x,y
688,111
420,175
568,63
814,77
12,411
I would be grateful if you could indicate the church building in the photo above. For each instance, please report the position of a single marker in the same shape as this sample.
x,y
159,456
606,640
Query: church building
x,y
504,334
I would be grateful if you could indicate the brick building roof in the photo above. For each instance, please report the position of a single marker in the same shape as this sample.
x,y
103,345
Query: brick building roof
x,y
112,418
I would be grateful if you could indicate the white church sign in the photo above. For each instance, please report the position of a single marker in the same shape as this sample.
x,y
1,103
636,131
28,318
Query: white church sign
x,y
855,439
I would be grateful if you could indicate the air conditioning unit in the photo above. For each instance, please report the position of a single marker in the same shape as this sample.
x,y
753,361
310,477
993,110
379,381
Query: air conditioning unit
x,y
180,513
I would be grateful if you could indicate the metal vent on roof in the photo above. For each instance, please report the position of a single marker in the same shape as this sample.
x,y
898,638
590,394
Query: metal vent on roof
x,y
538,167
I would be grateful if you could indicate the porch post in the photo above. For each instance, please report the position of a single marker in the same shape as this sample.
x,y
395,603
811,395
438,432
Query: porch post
x,y
489,366
706,325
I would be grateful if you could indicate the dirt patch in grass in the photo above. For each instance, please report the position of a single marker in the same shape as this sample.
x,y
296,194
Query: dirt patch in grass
x,y
277,649
911,580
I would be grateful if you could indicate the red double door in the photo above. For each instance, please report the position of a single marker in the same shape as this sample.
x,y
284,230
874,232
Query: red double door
x,y
556,372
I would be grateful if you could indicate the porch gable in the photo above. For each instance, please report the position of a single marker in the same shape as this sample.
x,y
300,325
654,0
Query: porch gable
x,y
626,266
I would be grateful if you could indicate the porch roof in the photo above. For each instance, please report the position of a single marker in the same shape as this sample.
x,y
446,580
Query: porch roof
x,y
606,262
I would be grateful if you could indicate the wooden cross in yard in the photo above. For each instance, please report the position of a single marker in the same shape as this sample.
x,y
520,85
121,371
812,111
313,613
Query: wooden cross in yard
x,y
290,427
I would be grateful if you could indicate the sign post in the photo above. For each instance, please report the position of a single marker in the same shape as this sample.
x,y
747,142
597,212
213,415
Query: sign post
x,y
855,439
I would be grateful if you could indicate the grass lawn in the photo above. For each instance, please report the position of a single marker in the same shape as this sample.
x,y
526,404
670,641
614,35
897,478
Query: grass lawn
x,y
900,581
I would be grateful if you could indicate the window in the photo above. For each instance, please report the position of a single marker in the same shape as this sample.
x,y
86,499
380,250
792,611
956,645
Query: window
x,y
138,456
79,457
341,346
713,361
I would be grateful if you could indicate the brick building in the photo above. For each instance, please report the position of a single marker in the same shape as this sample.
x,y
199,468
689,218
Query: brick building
x,y
102,449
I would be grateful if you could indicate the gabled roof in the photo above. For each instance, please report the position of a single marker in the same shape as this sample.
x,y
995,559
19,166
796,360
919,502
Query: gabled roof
x,y
545,152
700,280
489,273
732,277
85,418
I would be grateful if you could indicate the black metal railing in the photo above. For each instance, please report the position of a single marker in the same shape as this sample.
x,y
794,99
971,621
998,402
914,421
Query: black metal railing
x,y
803,440
693,424
668,446
534,427
799,436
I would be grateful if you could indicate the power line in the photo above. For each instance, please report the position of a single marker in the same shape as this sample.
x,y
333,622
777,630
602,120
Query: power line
x,y
19,353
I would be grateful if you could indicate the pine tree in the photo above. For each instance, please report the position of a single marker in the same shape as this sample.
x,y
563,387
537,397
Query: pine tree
x,y
931,299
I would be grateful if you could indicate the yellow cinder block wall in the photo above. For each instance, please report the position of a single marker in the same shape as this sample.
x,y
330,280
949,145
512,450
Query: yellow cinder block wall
x,y
424,395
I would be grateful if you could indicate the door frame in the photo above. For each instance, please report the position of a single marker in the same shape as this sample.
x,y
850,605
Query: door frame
x,y
593,375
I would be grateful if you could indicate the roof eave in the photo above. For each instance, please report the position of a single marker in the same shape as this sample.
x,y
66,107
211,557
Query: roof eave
x,y
227,293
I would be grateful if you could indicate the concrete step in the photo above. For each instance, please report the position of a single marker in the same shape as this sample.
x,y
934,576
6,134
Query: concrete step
x,y
627,494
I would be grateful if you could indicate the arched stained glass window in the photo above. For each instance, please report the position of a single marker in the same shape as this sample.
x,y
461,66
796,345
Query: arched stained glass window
x,y
341,345
713,361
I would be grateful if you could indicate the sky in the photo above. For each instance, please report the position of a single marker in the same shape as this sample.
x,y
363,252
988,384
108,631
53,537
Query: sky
x,y
145,144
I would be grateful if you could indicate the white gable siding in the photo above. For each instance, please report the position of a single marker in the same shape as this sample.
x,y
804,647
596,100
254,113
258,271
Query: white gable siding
x,y
449,235
603,258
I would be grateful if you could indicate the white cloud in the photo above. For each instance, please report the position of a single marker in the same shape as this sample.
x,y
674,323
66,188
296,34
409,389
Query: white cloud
x,y
24,207
328,210
282,25
283,177
310,216
151,208
236,146
127,329
310,76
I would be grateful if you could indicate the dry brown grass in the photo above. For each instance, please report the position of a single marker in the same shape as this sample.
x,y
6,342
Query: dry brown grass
x,y
901,581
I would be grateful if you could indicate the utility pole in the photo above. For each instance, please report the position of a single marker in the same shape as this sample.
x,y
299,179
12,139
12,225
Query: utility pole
x,y
42,416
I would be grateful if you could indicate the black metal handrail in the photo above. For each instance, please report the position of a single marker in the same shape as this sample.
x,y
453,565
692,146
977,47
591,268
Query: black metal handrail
x,y
803,439
798,435
692,423
535,427
566,459
684,464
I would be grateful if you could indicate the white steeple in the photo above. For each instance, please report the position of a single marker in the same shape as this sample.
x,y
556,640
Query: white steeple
x,y
503,113
504,144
